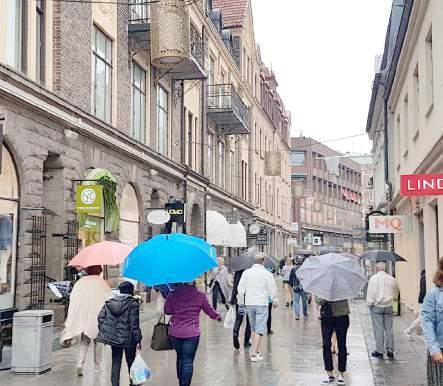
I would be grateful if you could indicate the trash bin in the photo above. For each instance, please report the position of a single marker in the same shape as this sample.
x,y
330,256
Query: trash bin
x,y
32,335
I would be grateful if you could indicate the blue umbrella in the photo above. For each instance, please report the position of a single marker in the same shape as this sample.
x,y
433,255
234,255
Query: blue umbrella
x,y
172,258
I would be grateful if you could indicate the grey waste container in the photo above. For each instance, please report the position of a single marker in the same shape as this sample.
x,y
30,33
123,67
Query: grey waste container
x,y
32,335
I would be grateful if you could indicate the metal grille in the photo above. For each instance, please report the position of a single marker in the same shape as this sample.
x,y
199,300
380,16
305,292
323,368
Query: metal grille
x,y
197,47
72,244
37,280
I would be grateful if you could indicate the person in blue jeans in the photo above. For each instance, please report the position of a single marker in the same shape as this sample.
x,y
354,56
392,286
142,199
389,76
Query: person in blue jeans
x,y
299,293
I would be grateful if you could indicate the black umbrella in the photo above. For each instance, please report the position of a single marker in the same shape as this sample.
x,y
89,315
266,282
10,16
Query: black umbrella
x,y
303,252
247,260
377,255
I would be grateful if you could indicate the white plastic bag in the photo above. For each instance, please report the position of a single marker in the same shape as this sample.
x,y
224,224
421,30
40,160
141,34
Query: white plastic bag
x,y
140,371
230,318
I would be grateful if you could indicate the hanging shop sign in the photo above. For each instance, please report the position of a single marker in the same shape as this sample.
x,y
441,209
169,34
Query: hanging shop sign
x,y
89,199
375,237
389,224
159,217
421,185
262,238
273,163
177,212
292,242
232,217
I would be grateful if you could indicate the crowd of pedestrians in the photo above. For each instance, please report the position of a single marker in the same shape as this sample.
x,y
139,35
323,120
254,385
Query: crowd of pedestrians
x,y
97,317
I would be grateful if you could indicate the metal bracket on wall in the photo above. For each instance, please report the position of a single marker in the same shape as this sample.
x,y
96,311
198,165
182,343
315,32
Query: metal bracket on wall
x,y
160,74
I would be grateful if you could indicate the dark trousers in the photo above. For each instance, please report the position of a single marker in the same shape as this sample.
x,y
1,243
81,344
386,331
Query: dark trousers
x,y
340,325
269,317
117,356
238,322
185,349
216,290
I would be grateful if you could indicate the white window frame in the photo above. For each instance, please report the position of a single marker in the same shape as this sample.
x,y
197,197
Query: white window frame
x,y
162,147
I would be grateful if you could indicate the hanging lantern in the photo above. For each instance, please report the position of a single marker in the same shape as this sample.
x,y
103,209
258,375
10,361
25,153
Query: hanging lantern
x,y
170,33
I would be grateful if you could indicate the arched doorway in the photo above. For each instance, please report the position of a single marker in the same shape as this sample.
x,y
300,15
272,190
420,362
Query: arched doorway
x,y
197,228
8,228
129,217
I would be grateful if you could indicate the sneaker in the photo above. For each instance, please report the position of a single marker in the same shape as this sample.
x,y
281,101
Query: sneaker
x,y
236,342
259,356
390,354
340,380
79,371
408,335
256,358
247,344
328,381
270,332
377,354
297,317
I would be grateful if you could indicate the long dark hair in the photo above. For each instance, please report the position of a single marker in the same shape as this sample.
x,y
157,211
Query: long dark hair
x,y
438,277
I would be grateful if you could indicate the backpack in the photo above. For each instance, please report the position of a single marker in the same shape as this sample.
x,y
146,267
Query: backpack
x,y
296,284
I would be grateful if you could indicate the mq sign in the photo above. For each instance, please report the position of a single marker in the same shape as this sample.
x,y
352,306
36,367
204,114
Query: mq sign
x,y
421,185
389,224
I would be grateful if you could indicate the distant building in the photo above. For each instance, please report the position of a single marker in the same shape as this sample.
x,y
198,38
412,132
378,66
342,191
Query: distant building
x,y
327,209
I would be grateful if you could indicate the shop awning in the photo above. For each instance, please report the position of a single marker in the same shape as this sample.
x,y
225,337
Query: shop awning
x,y
238,235
222,234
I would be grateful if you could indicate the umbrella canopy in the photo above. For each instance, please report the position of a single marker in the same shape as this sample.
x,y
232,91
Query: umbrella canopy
x,y
303,252
332,277
247,260
103,253
377,255
174,258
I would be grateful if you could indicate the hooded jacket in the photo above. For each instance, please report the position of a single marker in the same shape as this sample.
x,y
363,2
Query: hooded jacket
x,y
118,322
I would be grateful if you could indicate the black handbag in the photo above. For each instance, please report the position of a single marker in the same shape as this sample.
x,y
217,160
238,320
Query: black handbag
x,y
161,341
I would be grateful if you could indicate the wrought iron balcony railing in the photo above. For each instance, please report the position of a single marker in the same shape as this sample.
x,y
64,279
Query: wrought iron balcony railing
x,y
138,12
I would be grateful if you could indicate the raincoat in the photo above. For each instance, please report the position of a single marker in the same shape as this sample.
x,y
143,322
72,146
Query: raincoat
x,y
221,275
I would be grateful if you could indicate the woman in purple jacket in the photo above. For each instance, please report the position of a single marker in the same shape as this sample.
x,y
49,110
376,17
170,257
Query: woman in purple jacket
x,y
185,304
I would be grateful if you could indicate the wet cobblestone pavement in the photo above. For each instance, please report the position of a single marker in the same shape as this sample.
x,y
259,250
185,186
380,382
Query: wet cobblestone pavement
x,y
293,356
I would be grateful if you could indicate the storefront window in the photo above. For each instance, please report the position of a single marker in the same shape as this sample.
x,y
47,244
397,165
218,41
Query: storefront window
x,y
8,229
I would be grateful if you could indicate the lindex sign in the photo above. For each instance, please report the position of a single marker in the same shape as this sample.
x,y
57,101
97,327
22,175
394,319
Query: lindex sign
x,y
421,185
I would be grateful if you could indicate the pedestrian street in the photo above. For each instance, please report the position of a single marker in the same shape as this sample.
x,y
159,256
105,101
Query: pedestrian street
x,y
293,356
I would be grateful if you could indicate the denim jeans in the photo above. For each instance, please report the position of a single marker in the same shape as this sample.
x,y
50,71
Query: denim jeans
x,y
117,356
185,349
304,297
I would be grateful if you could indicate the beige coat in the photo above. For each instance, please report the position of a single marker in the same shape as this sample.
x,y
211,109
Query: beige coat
x,y
86,301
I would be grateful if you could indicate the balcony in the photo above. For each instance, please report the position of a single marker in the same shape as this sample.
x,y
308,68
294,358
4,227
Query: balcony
x,y
139,26
192,67
227,110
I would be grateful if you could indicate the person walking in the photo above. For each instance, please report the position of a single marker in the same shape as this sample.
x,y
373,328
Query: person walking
x,y
415,325
286,273
256,288
240,315
185,305
334,317
220,284
119,327
381,290
432,324
86,301
299,293
269,321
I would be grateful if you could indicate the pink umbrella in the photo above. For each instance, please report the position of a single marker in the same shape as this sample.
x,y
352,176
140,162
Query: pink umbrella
x,y
103,253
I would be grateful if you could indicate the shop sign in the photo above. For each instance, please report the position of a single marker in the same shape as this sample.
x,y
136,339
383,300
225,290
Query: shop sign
x,y
421,185
177,212
389,224
159,217
294,227
293,242
375,237
262,238
233,217
89,199
273,163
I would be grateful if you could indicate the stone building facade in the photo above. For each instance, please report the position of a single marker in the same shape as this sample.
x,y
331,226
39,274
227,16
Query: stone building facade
x,y
81,95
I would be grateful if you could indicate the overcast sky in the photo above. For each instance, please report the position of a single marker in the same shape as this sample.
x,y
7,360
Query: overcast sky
x,y
322,52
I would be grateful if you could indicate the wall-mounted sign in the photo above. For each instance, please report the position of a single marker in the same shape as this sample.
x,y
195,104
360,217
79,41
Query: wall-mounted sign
x,y
294,227
375,237
177,211
421,185
292,242
89,199
273,163
389,224
262,238
159,217
232,217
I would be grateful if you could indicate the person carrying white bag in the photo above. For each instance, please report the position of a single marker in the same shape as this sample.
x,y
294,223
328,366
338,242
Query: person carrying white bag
x,y
139,372
230,317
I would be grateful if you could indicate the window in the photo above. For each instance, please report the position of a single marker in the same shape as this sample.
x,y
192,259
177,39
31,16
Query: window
x,y
138,102
139,11
196,143
298,158
162,120
232,171
211,157
211,78
416,101
405,124
16,34
398,140
40,41
221,164
429,72
102,72
190,139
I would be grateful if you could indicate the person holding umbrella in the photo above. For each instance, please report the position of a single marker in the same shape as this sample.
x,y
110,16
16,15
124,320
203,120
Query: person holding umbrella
x,y
240,315
185,305
381,290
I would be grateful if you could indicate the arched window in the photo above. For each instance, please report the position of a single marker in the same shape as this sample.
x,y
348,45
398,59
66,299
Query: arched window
x,y
129,217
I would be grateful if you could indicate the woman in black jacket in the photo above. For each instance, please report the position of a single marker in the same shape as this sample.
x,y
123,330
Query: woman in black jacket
x,y
119,327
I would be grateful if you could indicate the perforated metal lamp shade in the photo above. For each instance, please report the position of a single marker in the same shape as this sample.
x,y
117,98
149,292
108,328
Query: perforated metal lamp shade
x,y
170,33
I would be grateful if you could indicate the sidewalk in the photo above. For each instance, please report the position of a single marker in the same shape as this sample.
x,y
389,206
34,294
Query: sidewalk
x,y
293,357
409,366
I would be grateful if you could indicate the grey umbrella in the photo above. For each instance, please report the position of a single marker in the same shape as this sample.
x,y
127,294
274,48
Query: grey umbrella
x,y
247,260
303,252
332,277
381,255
